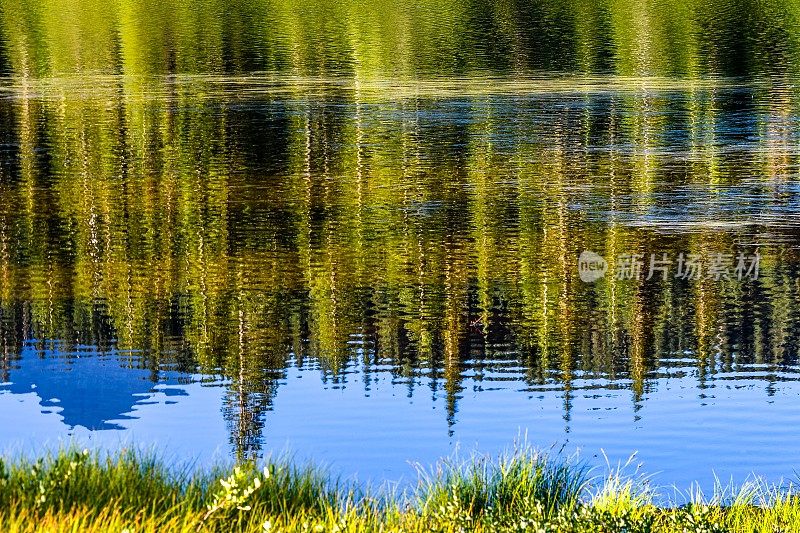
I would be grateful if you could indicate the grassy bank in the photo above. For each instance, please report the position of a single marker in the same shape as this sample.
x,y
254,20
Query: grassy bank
x,y
522,491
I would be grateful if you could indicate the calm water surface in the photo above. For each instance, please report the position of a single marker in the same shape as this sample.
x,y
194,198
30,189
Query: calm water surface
x,y
367,252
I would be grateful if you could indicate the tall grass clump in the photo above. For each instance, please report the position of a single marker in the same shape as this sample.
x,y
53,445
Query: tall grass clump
x,y
72,478
525,486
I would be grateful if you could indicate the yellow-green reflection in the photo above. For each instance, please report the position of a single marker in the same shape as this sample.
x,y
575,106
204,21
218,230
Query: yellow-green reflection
x,y
388,39
236,226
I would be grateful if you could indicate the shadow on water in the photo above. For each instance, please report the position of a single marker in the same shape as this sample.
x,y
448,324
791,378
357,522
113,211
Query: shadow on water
x,y
86,388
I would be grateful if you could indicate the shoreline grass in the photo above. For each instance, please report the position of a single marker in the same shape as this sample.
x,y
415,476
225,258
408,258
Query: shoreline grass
x,y
524,490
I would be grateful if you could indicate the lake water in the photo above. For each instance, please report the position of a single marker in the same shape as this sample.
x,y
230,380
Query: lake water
x,y
370,239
